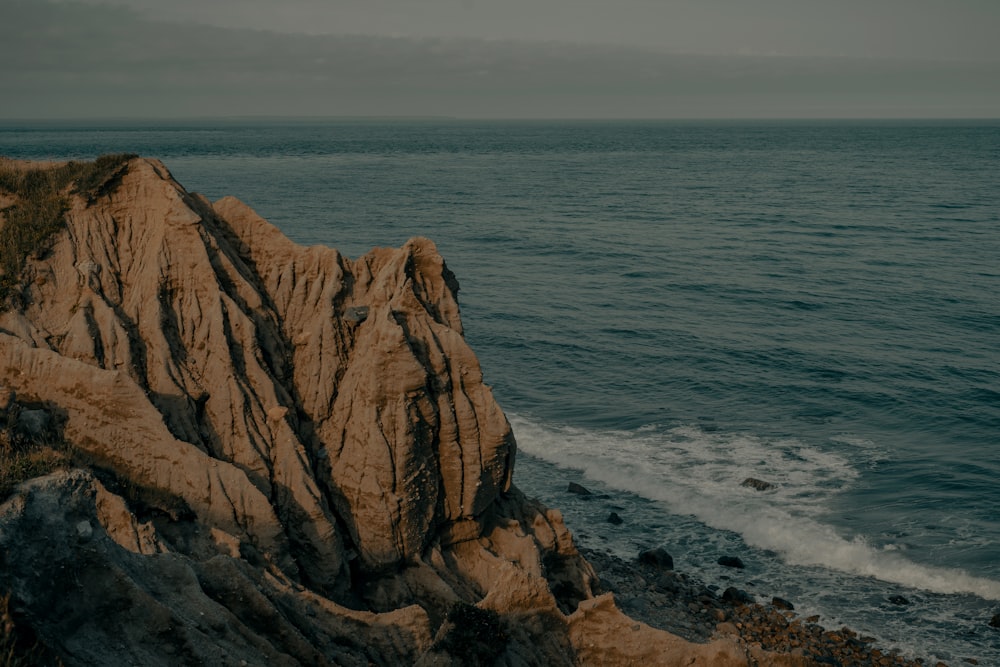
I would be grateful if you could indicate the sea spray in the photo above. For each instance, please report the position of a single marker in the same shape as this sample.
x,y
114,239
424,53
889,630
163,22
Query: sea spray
x,y
698,473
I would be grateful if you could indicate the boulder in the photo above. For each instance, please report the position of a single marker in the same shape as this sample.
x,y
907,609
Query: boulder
x,y
758,484
613,518
781,603
735,595
658,558
995,621
731,561
578,489
898,600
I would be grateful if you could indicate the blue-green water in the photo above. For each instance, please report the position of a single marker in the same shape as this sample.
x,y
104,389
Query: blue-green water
x,y
665,309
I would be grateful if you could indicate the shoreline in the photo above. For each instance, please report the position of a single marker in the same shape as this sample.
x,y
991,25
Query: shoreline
x,y
682,605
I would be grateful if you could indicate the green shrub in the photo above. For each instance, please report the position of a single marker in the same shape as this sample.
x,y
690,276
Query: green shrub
x,y
40,202
476,638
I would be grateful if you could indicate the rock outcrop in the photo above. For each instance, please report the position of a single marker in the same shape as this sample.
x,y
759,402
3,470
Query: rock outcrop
x,y
283,456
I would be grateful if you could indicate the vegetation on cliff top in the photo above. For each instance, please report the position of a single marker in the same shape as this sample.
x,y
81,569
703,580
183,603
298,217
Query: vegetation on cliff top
x,y
29,445
40,194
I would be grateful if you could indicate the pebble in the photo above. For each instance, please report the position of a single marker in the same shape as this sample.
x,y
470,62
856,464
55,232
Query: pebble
x,y
674,602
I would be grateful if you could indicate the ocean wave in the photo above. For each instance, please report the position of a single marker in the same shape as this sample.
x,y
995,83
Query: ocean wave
x,y
698,473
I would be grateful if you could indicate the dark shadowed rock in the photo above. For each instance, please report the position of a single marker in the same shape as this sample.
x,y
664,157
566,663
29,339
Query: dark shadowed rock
x,y
356,313
34,425
781,603
758,484
995,621
898,599
737,596
731,561
613,518
578,489
657,557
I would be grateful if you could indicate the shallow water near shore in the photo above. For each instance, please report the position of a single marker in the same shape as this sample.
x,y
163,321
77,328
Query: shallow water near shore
x,y
666,309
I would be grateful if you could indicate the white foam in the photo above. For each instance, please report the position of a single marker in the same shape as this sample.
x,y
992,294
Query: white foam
x,y
698,473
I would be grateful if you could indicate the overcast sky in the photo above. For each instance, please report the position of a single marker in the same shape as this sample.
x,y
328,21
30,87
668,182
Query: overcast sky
x,y
515,58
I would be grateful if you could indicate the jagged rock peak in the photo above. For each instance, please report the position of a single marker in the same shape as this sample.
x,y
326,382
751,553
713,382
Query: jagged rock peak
x,y
235,352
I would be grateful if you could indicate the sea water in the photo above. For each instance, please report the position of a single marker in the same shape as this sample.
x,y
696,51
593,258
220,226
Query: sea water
x,y
667,308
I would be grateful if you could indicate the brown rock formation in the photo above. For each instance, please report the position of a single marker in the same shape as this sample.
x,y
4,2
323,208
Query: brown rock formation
x,y
288,457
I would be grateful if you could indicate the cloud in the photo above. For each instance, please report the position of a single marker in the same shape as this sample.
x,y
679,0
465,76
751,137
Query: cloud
x,y
68,60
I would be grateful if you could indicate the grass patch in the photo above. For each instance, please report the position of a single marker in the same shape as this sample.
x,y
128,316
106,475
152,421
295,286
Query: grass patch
x,y
27,451
476,637
41,194
20,466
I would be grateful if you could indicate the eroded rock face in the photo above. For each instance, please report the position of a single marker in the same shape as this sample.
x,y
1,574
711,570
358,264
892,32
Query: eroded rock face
x,y
291,457
229,346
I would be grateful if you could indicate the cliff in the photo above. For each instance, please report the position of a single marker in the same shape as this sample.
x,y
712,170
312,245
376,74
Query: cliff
x,y
277,455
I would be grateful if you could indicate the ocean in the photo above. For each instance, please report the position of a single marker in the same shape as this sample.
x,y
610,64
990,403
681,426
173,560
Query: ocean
x,y
665,309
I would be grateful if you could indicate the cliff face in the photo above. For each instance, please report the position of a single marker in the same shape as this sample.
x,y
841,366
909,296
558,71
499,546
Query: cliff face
x,y
283,456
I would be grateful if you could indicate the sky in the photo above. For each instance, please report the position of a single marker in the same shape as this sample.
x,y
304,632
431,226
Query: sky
x,y
511,59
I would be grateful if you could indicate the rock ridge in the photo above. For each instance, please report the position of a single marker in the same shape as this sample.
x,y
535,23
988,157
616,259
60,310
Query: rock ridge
x,y
283,456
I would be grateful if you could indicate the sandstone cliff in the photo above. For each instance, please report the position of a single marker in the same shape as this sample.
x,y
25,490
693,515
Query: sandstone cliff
x,y
281,456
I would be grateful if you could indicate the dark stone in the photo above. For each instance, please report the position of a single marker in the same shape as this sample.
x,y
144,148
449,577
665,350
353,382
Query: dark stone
x,y
737,596
995,621
615,519
35,425
898,599
356,314
781,603
658,558
731,561
578,489
758,484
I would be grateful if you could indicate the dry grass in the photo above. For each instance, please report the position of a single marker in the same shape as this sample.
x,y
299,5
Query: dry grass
x,y
40,192
20,466
25,455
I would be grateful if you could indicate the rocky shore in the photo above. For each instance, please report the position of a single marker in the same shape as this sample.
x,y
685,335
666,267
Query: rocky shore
x,y
681,605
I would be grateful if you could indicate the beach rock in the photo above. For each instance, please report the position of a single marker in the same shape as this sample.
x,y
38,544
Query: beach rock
x,y
757,484
781,603
578,489
613,518
737,596
658,558
731,561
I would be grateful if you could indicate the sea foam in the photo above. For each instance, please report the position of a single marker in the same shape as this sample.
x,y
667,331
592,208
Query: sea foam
x,y
695,472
